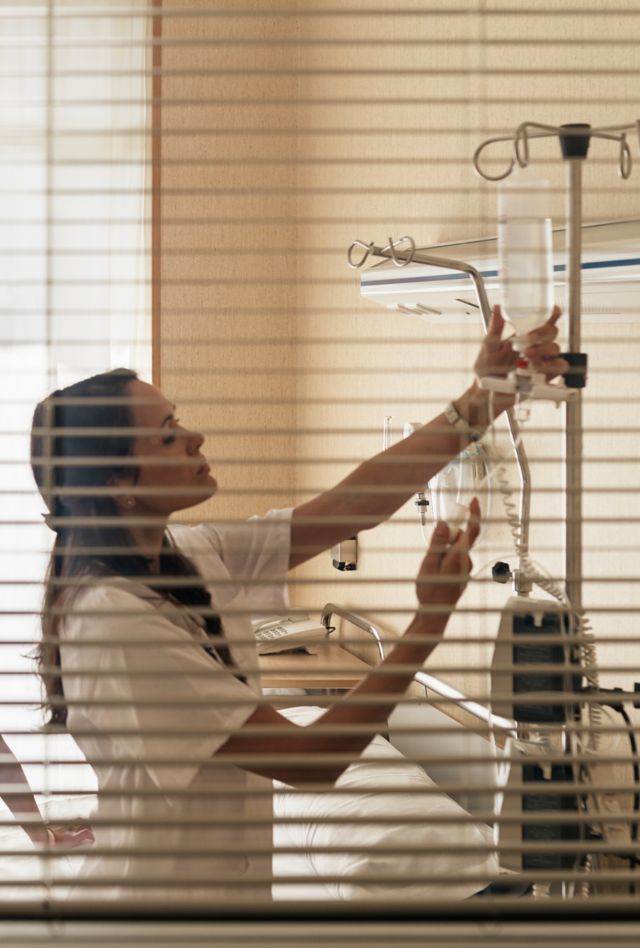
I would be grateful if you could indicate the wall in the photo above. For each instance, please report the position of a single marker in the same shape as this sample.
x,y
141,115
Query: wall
x,y
380,116
228,287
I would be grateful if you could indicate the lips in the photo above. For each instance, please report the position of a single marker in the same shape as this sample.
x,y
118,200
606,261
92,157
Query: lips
x,y
203,469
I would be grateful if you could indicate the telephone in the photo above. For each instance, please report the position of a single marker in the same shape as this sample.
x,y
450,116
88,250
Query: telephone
x,y
280,633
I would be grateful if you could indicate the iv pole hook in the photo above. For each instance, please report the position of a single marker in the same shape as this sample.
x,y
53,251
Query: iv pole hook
x,y
389,251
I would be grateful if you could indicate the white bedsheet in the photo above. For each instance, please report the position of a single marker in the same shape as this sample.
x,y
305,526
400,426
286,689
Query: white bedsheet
x,y
413,874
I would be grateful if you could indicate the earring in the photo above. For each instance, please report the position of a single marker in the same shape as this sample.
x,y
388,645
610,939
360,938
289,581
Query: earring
x,y
129,501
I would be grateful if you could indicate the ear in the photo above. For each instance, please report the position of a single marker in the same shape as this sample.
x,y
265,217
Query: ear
x,y
122,483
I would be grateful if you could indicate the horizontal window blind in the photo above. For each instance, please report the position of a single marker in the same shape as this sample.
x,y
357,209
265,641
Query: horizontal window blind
x,y
319,573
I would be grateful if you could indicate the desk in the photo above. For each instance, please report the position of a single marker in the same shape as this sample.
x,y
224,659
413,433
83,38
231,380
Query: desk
x,y
329,666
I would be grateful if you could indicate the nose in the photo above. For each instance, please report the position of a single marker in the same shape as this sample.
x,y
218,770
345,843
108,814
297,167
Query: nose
x,y
196,440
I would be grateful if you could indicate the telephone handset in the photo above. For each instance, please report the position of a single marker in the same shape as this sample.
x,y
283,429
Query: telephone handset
x,y
280,633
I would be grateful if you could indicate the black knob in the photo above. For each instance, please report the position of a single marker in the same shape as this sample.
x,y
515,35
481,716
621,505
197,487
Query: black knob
x,y
501,572
575,142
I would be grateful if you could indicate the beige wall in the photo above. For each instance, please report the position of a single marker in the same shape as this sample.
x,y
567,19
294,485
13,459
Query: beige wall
x,y
375,139
228,264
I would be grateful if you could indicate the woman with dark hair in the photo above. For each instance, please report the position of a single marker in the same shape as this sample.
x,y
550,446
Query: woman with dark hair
x,y
148,655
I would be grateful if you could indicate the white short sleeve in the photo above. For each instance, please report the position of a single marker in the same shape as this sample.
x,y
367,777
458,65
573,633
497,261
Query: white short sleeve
x,y
255,554
146,674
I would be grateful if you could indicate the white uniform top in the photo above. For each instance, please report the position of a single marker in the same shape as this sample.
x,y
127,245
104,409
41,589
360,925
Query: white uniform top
x,y
151,668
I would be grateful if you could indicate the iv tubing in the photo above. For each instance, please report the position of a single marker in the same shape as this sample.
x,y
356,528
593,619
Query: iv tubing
x,y
514,431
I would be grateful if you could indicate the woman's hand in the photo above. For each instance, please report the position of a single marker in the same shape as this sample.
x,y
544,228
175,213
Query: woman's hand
x,y
497,357
445,569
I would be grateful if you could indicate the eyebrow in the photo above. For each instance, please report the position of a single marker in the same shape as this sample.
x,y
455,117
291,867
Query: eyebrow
x,y
168,418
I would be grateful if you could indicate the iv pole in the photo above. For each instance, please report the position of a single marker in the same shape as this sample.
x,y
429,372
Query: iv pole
x,y
574,141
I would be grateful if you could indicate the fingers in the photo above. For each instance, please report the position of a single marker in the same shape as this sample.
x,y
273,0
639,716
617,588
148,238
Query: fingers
x,y
81,837
465,539
556,313
548,332
70,836
542,351
553,367
545,357
442,543
446,567
474,522
455,559
496,323
437,548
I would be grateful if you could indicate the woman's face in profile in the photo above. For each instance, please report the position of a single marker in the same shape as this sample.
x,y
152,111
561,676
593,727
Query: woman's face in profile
x,y
173,474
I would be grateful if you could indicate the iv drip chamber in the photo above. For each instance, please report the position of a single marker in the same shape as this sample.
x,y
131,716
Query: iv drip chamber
x,y
451,490
525,253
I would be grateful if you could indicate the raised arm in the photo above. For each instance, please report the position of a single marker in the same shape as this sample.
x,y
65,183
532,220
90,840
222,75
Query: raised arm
x,y
381,485
442,578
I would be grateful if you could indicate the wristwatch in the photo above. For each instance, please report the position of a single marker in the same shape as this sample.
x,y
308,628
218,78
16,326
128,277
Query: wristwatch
x,y
456,420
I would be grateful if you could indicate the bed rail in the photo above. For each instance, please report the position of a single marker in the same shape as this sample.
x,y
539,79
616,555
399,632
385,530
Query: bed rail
x,y
429,682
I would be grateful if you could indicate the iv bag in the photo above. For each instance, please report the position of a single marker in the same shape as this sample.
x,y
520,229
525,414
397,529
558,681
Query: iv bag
x,y
525,253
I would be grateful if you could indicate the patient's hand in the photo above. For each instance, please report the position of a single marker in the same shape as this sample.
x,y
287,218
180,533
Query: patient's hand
x,y
445,569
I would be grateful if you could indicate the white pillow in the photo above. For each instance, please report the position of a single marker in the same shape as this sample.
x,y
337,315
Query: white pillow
x,y
354,868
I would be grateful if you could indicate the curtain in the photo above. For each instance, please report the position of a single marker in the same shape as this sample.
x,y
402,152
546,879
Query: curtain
x,y
74,282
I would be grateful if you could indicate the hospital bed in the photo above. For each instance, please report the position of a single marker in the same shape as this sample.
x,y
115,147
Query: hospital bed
x,y
419,842
388,831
